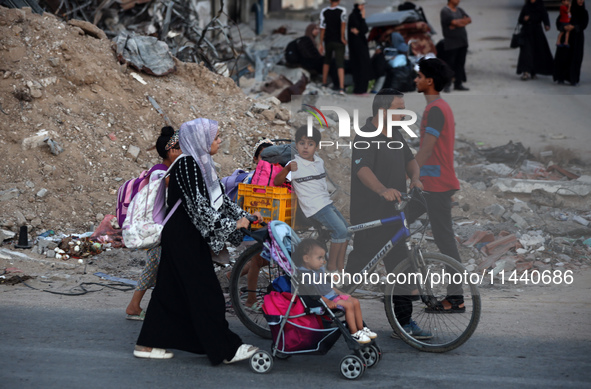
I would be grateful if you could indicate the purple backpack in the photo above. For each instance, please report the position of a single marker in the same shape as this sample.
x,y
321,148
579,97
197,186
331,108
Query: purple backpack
x,y
231,183
130,188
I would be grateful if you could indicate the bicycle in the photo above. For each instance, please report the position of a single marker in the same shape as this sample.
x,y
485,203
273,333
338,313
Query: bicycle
x,y
428,270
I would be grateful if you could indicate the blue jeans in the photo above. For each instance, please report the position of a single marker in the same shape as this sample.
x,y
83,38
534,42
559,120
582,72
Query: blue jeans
x,y
333,221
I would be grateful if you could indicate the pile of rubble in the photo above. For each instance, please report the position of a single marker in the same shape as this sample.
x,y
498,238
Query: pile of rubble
x,y
519,213
77,124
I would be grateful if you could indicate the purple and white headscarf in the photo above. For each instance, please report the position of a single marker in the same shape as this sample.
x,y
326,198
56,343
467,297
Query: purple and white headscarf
x,y
195,139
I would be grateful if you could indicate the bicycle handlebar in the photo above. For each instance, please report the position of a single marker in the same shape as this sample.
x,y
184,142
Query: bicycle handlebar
x,y
405,198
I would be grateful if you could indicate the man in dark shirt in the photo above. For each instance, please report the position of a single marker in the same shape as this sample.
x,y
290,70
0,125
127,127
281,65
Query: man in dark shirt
x,y
455,40
378,175
333,20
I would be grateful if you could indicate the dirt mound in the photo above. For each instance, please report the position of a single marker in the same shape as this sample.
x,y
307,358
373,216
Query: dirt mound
x,y
66,81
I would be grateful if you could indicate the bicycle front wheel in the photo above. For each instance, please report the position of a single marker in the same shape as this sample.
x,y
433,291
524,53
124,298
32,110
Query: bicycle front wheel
x,y
419,287
247,301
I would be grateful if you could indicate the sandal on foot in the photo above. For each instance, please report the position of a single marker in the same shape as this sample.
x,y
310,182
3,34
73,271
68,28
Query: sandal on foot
x,y
457,306
139,317
245,351
257,307
155,353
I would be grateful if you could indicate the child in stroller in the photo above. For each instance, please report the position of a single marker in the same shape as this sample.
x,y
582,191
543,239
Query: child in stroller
x,y
299,323
309,257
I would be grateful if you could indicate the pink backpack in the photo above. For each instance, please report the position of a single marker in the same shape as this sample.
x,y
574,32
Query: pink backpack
x,y
130,188
265,174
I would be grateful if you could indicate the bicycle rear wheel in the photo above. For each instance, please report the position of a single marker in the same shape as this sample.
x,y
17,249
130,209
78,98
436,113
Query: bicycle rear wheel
x,y
449,330
253,319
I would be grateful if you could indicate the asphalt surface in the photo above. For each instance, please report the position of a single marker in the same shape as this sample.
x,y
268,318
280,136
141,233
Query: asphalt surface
x,y
92,348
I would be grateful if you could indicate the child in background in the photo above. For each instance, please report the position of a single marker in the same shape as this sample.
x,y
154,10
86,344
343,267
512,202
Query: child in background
x,y
309,257
308,179
563,20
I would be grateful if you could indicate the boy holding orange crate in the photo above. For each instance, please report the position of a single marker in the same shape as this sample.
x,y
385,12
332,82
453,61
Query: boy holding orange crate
x,y
308,179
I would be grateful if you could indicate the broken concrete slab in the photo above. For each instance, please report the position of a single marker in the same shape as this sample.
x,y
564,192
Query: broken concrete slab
x,y
260,107
495,210
521,222
6,234
564,188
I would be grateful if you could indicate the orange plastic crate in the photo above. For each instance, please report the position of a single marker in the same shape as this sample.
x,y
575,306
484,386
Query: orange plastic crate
x,y
274,203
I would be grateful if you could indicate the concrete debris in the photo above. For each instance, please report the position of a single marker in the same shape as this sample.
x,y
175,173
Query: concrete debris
x,y
495,210
532,239
564,188
580,220
9,194
133,152
6,234
499,168
521,222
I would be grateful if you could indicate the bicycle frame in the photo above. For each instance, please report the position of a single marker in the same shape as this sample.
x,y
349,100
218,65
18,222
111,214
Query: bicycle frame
x,y
402,233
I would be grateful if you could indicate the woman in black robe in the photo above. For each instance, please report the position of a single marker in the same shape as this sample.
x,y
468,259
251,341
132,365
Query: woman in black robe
x,y
187,307
568,60
358,49
534,55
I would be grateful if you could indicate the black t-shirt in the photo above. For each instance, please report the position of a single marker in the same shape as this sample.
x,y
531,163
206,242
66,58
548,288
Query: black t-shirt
x,y
457,37
331,20
388,165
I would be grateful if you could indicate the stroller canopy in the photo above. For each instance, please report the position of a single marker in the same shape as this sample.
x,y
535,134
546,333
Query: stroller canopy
x,y
282,243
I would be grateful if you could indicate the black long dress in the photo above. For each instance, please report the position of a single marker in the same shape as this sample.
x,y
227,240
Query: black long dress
x,y
361,68
535,56
568,60
187,307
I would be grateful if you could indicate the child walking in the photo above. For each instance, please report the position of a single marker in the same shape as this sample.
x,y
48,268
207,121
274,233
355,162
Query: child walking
x,y
309,257
308,179
563,20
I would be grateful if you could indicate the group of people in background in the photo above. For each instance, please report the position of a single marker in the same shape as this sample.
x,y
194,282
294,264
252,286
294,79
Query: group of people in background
x,y
535,56
322,49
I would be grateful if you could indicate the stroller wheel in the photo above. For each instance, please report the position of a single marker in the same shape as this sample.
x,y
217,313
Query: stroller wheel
x,y
372,355
352,367
261,362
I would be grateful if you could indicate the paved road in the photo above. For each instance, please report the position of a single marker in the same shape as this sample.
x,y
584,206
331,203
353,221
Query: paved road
x,y
72,348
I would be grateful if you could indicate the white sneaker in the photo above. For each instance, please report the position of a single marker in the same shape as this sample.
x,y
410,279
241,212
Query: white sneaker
x,y
361,337
245,351
370,334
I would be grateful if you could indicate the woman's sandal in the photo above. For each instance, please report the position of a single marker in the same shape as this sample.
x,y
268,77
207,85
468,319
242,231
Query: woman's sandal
x,y
257,307
457,306
154,353
245,351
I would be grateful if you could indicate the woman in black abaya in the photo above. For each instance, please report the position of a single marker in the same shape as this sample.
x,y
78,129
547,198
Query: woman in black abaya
x,y
187,307
534,56
568,60
358,48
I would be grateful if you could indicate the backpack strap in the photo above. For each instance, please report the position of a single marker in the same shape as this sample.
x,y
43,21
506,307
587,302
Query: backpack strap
x,y
178,202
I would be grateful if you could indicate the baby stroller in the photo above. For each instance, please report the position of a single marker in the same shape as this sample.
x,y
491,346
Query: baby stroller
x,y
303,324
